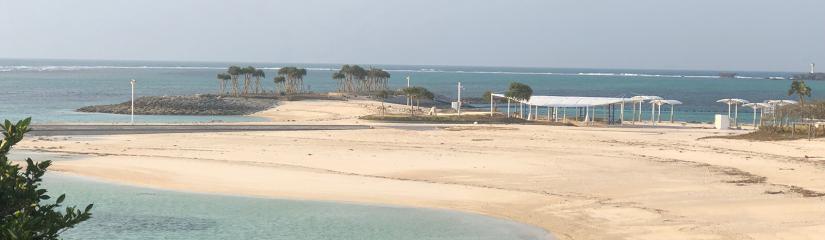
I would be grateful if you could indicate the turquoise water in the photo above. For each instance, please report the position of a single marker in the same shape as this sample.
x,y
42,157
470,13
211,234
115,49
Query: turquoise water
x,y
123,212
49,90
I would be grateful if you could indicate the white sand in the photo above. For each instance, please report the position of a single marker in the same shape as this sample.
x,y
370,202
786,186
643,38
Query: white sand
x,y
578,183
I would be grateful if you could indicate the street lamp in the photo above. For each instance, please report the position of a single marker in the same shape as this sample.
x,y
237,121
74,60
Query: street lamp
x,y
132,82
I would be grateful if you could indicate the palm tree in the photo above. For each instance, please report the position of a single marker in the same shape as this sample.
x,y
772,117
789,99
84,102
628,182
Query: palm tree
x,y
222,78
234,72
339,77
376,79
354,78
520,92
247,77
279,81
294,79
801,90
417,93
258,75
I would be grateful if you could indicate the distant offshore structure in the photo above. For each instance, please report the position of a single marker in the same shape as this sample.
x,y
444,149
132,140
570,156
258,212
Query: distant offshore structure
x,y
813,75
728,75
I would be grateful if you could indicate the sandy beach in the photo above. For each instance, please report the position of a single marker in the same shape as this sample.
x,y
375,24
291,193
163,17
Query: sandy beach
x,y
575,182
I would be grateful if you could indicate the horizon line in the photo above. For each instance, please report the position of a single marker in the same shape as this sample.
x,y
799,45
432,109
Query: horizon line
x,y
396,64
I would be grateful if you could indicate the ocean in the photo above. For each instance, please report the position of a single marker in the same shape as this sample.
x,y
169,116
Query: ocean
x,y
50,90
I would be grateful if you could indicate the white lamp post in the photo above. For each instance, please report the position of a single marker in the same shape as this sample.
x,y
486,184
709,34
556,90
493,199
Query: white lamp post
x,y
132,82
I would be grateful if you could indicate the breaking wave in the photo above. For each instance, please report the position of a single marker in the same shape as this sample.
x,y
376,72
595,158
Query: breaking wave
x,y
24,68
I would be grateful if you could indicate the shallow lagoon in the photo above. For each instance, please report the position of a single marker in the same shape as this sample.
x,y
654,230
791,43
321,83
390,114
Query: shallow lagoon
x,y
124,212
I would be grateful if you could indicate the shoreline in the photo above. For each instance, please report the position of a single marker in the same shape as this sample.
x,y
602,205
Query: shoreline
x,y
549,235
576,183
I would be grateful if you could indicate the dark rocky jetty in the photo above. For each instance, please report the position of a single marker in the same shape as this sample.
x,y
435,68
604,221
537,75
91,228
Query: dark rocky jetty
x,y
187,105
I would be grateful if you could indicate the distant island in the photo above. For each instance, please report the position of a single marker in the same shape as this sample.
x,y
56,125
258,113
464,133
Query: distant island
x,y
809,76
187,105
728,75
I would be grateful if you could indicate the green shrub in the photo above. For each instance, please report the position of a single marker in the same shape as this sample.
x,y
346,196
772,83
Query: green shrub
x,y
22,214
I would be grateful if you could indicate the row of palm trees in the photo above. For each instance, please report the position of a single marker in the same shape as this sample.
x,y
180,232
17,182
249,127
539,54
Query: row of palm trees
x,y
290,79
355,79
251,81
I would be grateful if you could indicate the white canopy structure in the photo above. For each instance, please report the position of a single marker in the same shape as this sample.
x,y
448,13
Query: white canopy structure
x,y
774,104
755,107
781,102
658,103
639,100
733,102
587,104
569,101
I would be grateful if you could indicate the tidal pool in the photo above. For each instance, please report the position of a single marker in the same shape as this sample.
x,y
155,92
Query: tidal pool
x,y
125,212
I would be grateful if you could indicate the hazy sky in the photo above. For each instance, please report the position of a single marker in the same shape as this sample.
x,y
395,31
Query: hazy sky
x,y
651,34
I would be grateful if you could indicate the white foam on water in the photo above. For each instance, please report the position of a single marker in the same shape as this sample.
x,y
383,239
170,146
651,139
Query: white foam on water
x,y
24,68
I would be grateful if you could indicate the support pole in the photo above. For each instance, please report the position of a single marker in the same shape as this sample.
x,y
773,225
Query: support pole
x,y
564,115
653,114
672,107
754,118
640,111
529,112
659,113
492,104
459,99
548,113
132,121
508,107
621,113
736,116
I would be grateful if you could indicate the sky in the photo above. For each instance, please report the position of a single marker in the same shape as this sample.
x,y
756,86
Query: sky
x,y
768,35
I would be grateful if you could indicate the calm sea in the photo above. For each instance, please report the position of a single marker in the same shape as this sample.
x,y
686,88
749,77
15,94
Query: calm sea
x,y
50,90
126,213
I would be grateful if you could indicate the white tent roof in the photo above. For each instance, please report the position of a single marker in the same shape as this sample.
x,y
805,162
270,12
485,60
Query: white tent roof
x,y
733,101
757,105
645,98
570,101
781,102
671,102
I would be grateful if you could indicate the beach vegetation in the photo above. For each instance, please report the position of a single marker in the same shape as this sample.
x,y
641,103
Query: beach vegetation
x,y
356,79
417,93
519,91
223,79
383,95
251,81
234,73
27,211
293,79
258,75
279,81
800,89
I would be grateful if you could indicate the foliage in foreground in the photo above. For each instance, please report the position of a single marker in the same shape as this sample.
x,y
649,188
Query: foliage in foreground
x,y
519,91
22,214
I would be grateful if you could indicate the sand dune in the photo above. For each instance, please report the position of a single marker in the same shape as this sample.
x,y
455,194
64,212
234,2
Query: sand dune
x,y
579,183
